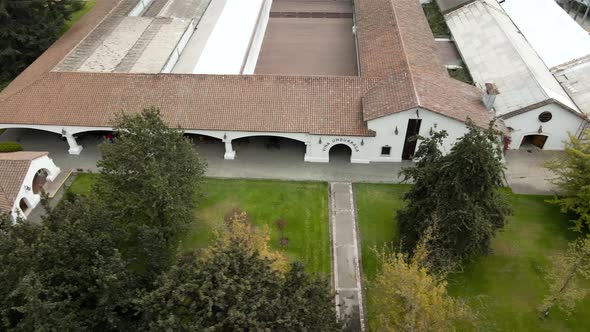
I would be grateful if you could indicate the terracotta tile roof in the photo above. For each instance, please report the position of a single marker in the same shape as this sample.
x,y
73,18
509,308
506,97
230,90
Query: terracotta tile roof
x,y
318,105
415,78
398,64
13,169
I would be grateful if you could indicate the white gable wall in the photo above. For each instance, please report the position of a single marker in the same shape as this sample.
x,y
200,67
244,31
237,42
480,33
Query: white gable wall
x,y
385,129
26,190
556,129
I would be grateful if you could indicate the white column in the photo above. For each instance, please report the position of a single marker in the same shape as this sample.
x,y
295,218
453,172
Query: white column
x,y
307,151
230,154
74,147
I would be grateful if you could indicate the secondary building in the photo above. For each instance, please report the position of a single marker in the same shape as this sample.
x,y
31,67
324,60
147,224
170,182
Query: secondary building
x,y
522,47
24,175
363,76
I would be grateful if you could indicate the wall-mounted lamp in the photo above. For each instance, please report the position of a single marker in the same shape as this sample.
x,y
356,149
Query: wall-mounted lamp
x,y
431,131
418,113
63,132
435,125
224,136
320,141
540,129
396,131
27,188
362,142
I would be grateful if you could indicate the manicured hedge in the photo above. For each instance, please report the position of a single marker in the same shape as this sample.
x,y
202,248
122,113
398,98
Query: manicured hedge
x,y
10,147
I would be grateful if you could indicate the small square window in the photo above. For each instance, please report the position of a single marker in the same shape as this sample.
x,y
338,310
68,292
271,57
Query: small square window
x,y
386,150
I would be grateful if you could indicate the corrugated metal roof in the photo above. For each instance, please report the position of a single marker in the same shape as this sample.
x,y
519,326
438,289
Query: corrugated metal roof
x,y
495,51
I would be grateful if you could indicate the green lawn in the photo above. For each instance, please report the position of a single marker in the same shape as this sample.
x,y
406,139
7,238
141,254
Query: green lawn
x,y
436,20
505,287
78,15
461,74
304,205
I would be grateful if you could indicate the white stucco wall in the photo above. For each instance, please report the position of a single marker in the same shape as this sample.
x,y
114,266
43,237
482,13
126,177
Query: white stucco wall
x,y
257,39
26,190
228,45
556,129
385,129
364,149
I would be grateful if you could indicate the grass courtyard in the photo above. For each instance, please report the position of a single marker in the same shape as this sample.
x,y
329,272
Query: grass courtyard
x,y
78,15
304,205
506,287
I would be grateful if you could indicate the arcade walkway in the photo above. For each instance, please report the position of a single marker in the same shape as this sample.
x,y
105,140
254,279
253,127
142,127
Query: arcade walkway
x,y
525,172
251,162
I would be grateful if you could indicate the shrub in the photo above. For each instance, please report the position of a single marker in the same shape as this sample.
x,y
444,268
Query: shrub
x,y
10,147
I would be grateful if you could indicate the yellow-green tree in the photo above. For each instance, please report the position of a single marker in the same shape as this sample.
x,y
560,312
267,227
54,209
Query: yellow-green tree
x,y
573,178
569,271
408,297
238,229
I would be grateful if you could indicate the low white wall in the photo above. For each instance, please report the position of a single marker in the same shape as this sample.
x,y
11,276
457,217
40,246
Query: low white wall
x,y
228,45
257,39
186,36
26,190
556,129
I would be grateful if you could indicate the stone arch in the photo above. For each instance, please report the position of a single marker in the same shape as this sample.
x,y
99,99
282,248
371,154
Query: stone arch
x,y
24,206
277,135
39,180
340,152
206,144
261,146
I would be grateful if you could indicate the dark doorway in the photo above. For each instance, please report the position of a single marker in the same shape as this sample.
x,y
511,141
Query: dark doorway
x,y
39,181
340,153
410,144
533,140
23,206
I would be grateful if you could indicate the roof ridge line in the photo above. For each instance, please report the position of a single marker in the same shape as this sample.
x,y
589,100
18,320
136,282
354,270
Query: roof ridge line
x,y
407,61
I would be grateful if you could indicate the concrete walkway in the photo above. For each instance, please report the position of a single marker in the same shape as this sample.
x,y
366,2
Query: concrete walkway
x,y
345,256
525,172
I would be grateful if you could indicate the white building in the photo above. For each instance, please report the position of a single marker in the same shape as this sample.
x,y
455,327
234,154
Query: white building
x,y
559,41
497,43
24,174
362,76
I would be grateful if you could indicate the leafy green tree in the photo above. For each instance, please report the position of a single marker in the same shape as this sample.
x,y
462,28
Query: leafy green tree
x,y
235,289
64,274
568,278
456,196
573,178
149,179
27,29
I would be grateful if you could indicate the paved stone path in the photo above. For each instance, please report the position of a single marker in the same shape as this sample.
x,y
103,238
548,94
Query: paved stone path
x,y
345,256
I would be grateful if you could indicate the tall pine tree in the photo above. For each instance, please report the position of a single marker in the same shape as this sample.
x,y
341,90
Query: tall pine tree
x,y
456,196
27,29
